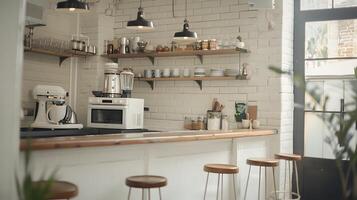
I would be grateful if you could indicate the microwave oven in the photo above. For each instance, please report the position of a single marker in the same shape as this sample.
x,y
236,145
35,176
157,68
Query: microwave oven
x,y
115,113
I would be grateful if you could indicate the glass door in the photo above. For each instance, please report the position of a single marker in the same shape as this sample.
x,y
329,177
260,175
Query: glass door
x,y
325,54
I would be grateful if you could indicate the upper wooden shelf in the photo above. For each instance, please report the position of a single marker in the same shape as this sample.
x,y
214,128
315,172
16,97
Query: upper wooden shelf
x,y
61,54
198,53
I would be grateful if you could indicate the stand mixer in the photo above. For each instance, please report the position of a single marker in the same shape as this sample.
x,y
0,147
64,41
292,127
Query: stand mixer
x,y
49,99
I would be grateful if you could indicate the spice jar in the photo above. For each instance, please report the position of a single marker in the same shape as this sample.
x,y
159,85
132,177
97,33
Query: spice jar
x,y
198,45
110,49
213,44
187,123
200,124
205,45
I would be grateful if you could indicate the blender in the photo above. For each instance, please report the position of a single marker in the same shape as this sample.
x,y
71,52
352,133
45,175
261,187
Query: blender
x,y
126,82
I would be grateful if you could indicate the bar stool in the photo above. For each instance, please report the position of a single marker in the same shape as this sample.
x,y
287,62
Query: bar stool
x,y
288,160
59,189
221,169
262,162
146,182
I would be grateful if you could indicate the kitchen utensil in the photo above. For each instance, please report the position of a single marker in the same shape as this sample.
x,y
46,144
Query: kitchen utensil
x,y
157,73
111,80
256,124
225,123
213,120
245,123
142,45
134,44
231,72
252,110
97,93
200,71
126,82
166,72
147,73
217,72
175,72
56,113
123,45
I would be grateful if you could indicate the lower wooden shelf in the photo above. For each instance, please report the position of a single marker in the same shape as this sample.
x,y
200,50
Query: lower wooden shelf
x,y
198,80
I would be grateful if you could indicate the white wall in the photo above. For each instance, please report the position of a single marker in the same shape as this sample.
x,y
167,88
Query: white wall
x,y
11,35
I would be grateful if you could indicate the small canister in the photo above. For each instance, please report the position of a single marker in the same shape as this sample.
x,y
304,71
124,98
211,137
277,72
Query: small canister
x,y
106,42
213,44
205,45
225,123
213,120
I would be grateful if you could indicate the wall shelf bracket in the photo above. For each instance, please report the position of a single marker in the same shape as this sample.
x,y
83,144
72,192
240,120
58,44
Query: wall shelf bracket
x,y
152,59
200,57
199,82
152,84
61,59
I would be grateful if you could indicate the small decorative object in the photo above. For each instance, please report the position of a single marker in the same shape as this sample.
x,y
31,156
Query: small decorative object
x,y
225,123
245,123
240,44
241,109
256,124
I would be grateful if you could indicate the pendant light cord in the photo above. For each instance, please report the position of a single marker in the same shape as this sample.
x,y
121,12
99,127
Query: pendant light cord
x,y
186,9
140,3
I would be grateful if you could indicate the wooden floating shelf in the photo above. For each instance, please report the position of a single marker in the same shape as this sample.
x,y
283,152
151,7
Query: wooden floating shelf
x,y
198,80
199,53
63,55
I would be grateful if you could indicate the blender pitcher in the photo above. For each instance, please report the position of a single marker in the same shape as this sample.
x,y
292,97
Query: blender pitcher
x,y
126,82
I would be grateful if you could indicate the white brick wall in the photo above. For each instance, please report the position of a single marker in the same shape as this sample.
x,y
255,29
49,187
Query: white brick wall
x,y
223,20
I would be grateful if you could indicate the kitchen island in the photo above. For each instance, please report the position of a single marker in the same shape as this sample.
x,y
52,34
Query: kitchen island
x,y
104,161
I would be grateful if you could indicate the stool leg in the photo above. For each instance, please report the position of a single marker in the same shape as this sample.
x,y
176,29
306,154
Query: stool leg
x,y
265,183
276,195
246,185
260,171
129,193
290,189
234,187
160,193
222,187
149,194
284,178
204,197
219,176
297,178
142,194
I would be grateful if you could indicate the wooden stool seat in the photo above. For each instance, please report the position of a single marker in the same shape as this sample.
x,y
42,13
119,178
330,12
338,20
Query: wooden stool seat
x,y
221,168
286,156
146,181
60,189
263,162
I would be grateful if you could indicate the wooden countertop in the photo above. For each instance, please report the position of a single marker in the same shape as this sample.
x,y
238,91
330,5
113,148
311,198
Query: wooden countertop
x,y
139,138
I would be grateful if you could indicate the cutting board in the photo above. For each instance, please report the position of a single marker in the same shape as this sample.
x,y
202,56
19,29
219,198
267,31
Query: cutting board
x,y
253,112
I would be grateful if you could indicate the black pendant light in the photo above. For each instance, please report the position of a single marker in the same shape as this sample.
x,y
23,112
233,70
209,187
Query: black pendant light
x,y
140,23
185,34
72,6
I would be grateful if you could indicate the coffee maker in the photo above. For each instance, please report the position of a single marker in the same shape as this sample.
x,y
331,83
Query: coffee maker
x,y
51,110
